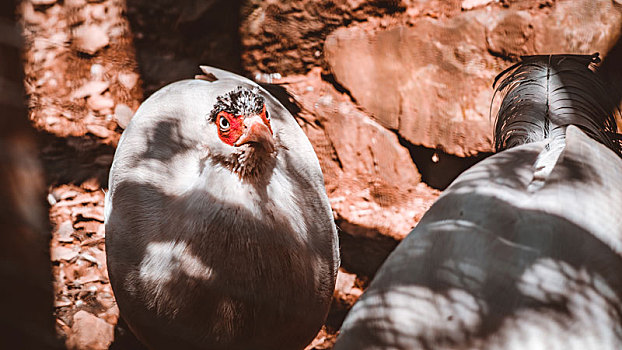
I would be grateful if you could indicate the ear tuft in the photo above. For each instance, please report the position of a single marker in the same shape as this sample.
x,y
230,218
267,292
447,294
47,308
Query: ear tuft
x,y
209,76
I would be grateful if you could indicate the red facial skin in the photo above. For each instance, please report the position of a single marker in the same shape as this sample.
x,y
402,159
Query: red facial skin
x,y
235,130
236,126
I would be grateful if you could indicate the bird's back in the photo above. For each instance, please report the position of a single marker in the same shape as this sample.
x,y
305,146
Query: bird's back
x,y
495,266
523,250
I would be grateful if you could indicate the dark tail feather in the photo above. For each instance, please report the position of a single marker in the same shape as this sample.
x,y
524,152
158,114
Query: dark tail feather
x,y
544,94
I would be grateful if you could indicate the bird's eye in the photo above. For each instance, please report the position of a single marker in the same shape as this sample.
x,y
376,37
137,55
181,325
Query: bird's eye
x,y
224,123
267,115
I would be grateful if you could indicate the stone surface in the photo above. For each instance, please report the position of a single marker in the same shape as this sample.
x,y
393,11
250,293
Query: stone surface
x,y
63,253
64,232
511,34
61,75
287,36
128,79
431,81
469,4
90,38
372,183
419,81
579,26
90,332
346,284
100,103
348,288
123,114
90,88
42,2
99,131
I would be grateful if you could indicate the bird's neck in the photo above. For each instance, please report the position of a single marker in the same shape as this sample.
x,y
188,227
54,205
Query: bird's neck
x,y
249,163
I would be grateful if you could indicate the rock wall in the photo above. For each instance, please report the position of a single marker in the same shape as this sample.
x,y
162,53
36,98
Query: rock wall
x,y
378,78
422,69
390,92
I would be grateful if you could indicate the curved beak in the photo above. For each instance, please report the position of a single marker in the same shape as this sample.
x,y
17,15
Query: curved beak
x,y
256,131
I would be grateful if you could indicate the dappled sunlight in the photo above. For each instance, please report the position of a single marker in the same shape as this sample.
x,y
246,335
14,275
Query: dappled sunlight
x,y
493,266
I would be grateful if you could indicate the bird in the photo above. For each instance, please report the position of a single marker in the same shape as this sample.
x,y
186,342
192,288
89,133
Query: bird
x,y
219,232
524,249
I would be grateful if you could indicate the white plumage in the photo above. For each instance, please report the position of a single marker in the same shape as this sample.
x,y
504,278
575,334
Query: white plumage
x,y
212,245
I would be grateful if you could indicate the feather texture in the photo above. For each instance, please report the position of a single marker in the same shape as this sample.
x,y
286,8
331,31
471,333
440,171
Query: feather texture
x,y
544,94
202,255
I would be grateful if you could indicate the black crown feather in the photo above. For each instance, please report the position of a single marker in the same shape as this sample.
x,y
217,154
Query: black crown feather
x,y
241,101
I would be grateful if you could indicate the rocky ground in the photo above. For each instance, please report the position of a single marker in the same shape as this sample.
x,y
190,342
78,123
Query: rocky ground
x,y
393,94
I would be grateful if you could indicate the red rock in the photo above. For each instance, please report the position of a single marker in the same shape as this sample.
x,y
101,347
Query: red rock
x,y
64,193
100,103
580,27
62,301
97,71
346,284
88,226
88,275
30,15
469,4
325,340
98,11
297,29
372,183
90,39
80,198
431,81
100,131
59,253
89,332
416,80
512,34
123,114
91,88
91,213
64,232
91,185
42,2
111,315
128,79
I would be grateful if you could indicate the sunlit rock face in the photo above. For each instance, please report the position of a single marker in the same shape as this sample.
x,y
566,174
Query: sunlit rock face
x,y
374,188
430,79
430,82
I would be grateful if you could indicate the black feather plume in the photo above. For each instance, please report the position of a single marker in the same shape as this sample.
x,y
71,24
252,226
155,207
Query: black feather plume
x,y
544,94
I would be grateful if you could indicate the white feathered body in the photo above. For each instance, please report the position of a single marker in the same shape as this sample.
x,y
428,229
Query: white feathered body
x,y
199,257
493,265
524,250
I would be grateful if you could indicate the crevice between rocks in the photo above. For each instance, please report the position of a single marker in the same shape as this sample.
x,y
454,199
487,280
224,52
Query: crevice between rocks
x,y
363,255
73,160
330,78
438,169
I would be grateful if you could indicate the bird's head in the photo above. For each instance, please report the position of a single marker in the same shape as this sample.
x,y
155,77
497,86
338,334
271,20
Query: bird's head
x,y
243,125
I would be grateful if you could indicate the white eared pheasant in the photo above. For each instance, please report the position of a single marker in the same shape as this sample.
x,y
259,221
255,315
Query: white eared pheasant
x,y
219,233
